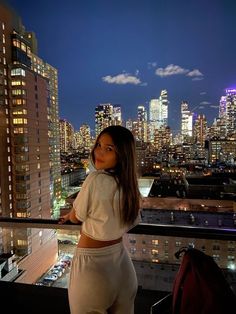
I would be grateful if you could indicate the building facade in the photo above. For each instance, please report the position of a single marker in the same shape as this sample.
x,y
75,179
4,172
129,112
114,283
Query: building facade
x,y
28,142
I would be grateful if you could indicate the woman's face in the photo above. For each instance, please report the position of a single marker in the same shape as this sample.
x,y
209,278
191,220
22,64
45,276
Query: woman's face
x,y
104,153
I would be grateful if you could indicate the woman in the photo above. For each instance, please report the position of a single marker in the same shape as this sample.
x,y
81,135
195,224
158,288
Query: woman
x,y
102,277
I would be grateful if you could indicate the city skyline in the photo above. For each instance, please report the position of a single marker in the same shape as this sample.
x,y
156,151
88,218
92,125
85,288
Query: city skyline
x,y
126,52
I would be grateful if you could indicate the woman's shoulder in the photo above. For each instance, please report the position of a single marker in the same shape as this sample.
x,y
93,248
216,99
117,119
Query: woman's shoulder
x,y
100,175
99,180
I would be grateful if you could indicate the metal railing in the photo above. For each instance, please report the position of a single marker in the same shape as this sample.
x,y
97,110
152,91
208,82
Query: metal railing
x,y
142,228
33,299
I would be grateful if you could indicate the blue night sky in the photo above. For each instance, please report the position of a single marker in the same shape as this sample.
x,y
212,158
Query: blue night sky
x,y
126,51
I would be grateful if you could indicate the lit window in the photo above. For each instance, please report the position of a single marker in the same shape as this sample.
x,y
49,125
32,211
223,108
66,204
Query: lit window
x,y
23,47
18,101
20,112
154,252
17,72
19,121
155,260
18,83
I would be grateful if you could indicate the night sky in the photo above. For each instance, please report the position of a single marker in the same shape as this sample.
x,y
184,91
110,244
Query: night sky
x,y
126,51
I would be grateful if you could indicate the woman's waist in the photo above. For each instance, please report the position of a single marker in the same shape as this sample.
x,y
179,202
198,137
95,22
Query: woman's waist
x,y
87,242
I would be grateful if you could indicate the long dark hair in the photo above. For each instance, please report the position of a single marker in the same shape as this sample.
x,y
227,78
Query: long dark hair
x,y
125,171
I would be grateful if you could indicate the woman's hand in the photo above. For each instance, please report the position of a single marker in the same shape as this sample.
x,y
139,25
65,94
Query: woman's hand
x,y
69,218
63,219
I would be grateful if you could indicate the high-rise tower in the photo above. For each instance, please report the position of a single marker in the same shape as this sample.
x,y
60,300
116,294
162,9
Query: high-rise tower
x,y
24,125
230,111
142,124
163,111
106,115
66,136
158,113
28,136
186,121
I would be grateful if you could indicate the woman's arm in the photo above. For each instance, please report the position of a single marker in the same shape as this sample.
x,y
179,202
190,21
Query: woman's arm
x,y
69,217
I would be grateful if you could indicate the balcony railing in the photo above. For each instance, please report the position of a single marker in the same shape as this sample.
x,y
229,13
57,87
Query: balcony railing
x,y
31,298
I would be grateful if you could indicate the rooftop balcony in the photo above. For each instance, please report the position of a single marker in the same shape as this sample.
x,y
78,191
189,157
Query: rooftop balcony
x,y
37,249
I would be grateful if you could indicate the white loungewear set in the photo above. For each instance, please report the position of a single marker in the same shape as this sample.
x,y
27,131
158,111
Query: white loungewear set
x,y
102,280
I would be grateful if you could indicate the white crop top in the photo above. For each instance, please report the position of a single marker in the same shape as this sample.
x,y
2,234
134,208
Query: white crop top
x,y
97,207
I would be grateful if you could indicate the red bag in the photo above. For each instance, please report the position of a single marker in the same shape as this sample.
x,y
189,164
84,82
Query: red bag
x,y
200,286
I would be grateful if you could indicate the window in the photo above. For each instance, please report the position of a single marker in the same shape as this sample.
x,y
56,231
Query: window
x,y
155,242
19,121
20,112
18,101
178,243
18,83
16,92
154,252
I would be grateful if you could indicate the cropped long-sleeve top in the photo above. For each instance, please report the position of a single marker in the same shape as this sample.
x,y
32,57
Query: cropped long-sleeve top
x,y
97,206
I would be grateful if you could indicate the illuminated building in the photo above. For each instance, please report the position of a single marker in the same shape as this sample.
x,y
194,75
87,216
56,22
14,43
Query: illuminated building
x,y
142,124
49,72
222,149
230,111
29,182
158,113
186,121
106,115
116,115
200,132
222,107
66,136
83,138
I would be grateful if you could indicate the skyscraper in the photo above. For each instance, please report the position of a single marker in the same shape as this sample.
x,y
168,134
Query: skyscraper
x,y
116,115
230,111
158,113
83,139
66,136
163,111
24,126
222,107
106,115
142,124
200,135
46,70
186,121
153,117
28,136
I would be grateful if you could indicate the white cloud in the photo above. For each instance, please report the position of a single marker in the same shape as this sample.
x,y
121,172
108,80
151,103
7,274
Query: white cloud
x,y
203,93
214,106
173,69
170,70
194,73
122,79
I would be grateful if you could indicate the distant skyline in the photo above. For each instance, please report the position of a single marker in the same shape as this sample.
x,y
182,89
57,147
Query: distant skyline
x,y
126,51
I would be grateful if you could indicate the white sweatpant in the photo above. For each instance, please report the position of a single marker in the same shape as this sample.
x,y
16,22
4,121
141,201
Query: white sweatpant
x,y
102,281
